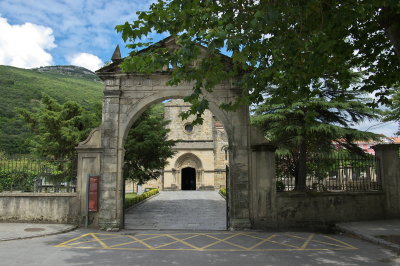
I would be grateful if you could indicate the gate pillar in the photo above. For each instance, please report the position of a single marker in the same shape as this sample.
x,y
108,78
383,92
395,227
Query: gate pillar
x,y
262,186
89,163
389,173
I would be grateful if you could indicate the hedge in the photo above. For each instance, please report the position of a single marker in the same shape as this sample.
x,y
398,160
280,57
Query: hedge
x,y
132,201
223,191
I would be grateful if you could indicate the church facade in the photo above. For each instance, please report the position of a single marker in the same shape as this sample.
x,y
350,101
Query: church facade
x,y
201,152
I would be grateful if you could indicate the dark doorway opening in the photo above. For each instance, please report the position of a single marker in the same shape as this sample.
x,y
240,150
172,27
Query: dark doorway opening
x,y
188,178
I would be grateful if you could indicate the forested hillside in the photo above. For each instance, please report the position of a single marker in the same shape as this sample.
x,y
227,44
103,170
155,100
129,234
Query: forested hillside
x,y
23,88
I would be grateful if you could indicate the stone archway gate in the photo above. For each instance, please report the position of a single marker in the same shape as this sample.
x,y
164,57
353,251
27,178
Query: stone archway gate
x,y
126,96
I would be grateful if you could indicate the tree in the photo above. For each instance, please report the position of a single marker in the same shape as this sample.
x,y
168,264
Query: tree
x,y
58,128
304,64
300,125
285,44
13,135
393,114
147,147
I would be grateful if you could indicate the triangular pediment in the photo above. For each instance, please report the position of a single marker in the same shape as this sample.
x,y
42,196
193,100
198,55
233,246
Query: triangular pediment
x,y
169,42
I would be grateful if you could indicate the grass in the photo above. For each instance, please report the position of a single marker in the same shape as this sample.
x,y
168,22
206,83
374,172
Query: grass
x,y
130,195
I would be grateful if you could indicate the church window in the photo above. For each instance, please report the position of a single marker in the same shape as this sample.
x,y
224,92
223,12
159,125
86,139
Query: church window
x,y
189,128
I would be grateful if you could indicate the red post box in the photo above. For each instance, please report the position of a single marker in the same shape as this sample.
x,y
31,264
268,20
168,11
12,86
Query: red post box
x,y
93,193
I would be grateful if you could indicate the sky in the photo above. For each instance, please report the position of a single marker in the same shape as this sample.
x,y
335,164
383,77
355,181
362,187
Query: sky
x,y
70,32
78,32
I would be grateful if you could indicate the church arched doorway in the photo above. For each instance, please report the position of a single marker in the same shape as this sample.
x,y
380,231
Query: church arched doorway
x,y
188,178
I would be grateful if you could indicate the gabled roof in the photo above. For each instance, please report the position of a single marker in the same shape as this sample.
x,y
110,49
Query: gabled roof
x,y
167,42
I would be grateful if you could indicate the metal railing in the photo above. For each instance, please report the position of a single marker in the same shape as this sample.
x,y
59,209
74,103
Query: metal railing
x,y
330,172
27,174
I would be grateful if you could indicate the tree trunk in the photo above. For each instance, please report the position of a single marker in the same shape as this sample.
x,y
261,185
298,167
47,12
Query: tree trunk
x,y
390,22
302,167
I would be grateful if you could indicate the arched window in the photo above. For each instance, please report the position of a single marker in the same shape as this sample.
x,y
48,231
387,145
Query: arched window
x,y
225,149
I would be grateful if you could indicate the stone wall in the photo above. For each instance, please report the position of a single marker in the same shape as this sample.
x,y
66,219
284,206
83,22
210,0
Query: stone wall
x,y
314,210
221,147
40,207
201,132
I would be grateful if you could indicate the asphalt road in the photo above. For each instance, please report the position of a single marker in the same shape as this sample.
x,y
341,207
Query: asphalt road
x,y
92,247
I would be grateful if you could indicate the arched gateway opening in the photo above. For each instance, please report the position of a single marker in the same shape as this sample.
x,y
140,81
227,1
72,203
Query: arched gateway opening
x,y
188,178
126,96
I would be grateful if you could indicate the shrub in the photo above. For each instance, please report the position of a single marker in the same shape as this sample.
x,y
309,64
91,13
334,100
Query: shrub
x,y
132,201
280,186
17,180
223,191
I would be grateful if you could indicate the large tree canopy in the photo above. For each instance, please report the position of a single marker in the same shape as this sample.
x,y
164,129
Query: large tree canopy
x,y
306,65
289,45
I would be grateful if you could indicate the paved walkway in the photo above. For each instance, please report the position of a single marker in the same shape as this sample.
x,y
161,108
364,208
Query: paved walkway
x,y
186,210
382,232
12,231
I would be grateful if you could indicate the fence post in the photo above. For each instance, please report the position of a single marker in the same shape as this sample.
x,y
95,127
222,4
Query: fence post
x,y
389,173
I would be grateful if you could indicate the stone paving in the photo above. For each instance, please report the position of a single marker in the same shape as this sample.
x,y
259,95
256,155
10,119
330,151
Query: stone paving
x,y
187,210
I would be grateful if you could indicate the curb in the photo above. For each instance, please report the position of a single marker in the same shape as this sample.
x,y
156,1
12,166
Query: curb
x,y
222,195
69,229
369,238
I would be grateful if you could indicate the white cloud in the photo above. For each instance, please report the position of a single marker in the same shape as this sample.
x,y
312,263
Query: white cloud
x,y
25,45
78,25
86,60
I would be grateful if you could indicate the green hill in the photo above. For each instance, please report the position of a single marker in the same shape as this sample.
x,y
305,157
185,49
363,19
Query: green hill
x,y
24,87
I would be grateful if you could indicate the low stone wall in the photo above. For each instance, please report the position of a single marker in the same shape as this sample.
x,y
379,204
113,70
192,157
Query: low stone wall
x,y
39,207
322,210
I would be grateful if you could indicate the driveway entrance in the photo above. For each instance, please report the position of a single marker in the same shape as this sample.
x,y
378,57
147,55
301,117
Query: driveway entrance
x,y
127,95
187,210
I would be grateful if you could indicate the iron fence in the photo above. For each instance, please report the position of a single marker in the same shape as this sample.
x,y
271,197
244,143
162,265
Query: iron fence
x,y
330,172
27,174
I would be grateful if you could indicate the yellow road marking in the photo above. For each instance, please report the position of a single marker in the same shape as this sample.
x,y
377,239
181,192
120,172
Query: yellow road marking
x,y
262,242
94,240
275,242
321,242
127,243
344,243
73,239
183,242
283,244
175,242
98,240
307,241
228,242
141,242
227,236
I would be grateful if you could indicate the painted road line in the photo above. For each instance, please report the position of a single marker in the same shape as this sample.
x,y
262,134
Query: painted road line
x,y
221,242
